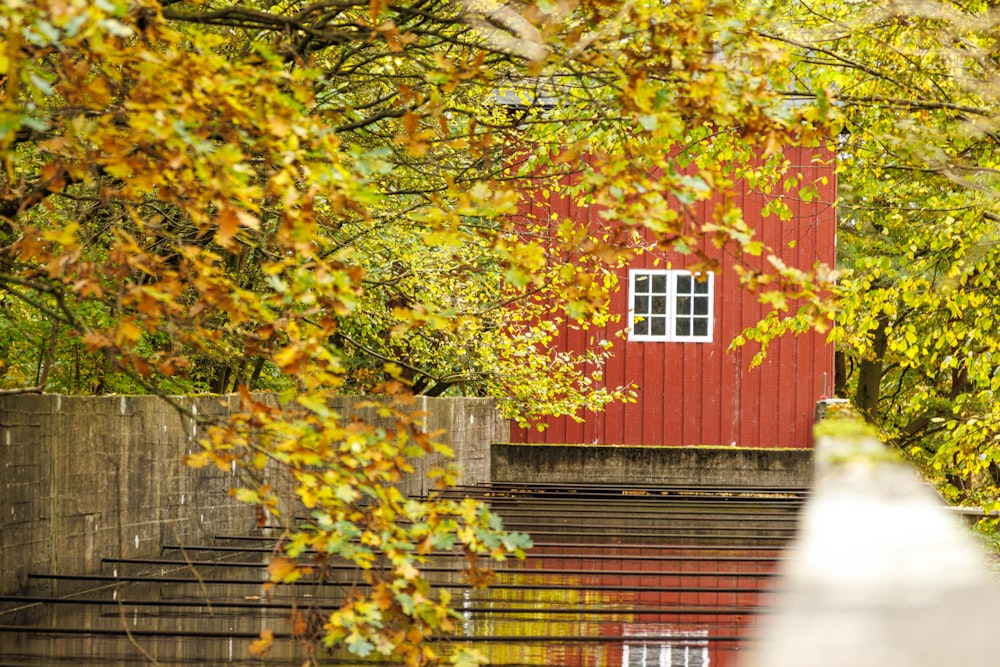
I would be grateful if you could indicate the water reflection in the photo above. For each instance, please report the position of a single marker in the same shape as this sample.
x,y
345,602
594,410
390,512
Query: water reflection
x,y
611,582
135,623
664,608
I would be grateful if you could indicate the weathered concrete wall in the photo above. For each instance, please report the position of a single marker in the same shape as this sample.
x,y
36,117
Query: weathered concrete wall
x,y
469,425
82,478
605,464
87,477
881,575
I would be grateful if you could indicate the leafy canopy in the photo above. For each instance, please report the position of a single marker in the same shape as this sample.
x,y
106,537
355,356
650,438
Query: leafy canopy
x,y
914,87
315,198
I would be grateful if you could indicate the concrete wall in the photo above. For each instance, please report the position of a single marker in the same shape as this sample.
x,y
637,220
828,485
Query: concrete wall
x,y
469,426
87,477
881,575
82,478
605,464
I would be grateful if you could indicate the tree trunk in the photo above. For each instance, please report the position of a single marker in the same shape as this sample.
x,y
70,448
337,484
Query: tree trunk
x,y
870,372
840,374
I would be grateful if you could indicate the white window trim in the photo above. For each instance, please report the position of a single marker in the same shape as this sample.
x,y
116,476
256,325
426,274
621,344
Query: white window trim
x,y
678,647
670,336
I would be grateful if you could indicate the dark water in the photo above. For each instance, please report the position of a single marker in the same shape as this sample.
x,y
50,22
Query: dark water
x,y
612,581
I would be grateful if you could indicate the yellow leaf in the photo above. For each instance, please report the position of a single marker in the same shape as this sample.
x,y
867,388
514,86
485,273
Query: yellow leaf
x,y
261,647
199,460
127,333
64,236
407,571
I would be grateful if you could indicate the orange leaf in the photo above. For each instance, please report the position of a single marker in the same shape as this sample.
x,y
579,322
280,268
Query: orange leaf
x,y
127,333
229,223
299,624
95,341
282,568
411,122
260,647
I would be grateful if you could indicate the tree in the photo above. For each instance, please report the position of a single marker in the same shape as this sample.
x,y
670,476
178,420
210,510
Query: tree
x,y
915,87
313,198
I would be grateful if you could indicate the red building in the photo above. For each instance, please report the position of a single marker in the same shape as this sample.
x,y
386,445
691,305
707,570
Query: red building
x,y
692,389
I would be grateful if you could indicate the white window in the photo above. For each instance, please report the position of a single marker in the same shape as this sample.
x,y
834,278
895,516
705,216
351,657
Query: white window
x,y
677,649
670,306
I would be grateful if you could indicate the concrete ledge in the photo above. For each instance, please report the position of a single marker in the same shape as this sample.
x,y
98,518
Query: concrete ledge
x,y
881,575
609,464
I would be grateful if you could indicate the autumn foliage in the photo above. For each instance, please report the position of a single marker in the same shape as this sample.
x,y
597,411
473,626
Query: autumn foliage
x,y
915,88
310,199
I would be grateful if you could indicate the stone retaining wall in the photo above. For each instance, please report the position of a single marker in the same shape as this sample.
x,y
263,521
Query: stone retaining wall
x,y
83,478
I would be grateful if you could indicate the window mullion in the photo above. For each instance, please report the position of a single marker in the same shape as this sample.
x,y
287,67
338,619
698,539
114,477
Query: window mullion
x,y
672,306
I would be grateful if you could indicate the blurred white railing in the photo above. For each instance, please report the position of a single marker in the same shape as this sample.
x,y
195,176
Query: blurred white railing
x,y
882,574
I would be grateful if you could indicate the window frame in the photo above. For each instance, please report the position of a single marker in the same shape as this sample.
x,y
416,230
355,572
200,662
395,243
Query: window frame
x,y
671,315
689,645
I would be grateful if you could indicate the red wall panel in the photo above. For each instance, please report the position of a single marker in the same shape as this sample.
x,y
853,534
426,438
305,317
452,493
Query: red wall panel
x,y
704,393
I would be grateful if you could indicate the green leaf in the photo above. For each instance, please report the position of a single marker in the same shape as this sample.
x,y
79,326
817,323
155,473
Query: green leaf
x,y
358,645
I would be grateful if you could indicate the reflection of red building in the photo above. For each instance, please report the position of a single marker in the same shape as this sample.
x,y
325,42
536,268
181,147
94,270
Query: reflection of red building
x,y
692,390
657,580
673,606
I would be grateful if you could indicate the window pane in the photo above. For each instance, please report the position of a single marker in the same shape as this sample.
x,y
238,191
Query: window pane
x,y
671,305
697,657
634,655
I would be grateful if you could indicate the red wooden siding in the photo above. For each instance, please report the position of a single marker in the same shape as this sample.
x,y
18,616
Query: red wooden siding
x,y
702,393
660,577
